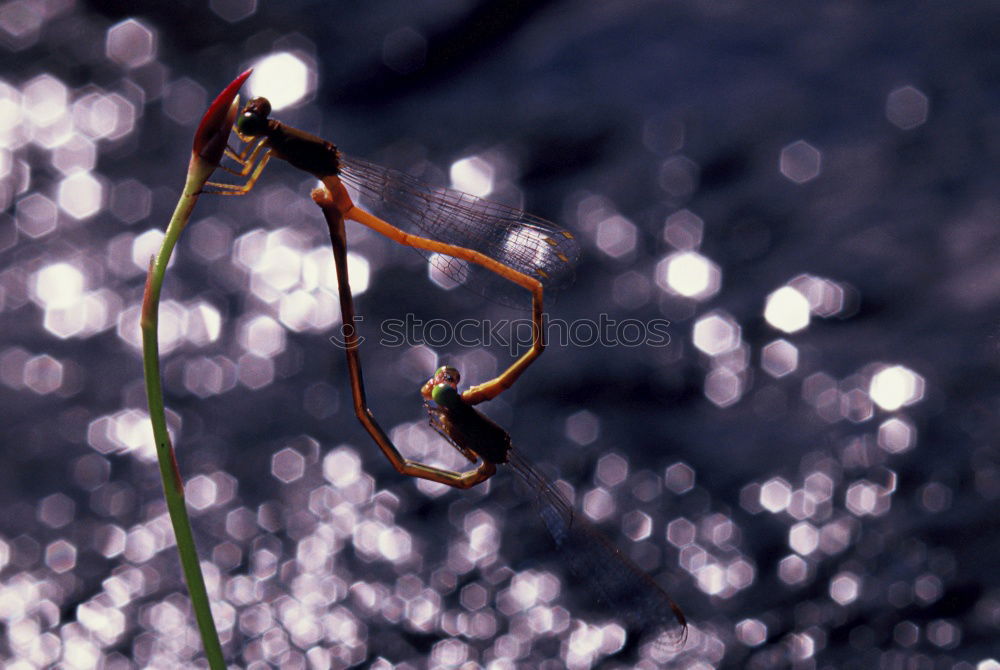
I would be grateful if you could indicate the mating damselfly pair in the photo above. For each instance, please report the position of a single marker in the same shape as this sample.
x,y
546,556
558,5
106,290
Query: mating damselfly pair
x,y
489,247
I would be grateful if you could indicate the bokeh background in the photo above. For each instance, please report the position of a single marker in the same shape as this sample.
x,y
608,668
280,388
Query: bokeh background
x,y
807,193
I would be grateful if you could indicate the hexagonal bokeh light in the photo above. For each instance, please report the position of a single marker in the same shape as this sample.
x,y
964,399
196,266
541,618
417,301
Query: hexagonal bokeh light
x,y
679,477
57,285
896,386
43,374
233,10
775,494
288,465
262,336
845,588
131,43
185,101
679,176
20,24
779,358
800,162
896,435
751,632
446,272
583,427
907,108
473,175
36,215
60,556
787,310
793,569
616,236
80,195
683,230
826,298
716,333
284,78
44,101
77,154
723,387
688,274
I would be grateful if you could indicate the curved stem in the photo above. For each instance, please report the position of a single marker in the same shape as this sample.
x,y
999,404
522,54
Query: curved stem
x,y
173,487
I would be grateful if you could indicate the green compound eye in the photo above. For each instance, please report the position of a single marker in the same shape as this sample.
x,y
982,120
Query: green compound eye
x,y
446,395
252,120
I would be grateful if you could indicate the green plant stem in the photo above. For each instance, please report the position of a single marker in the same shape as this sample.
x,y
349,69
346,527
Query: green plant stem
x,y
173,486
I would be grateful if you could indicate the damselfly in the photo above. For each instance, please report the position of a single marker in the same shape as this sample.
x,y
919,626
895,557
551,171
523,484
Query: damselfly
x,y
482,244
611,577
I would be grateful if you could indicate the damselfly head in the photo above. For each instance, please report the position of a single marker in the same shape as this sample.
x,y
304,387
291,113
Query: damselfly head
x,y
446,374
252,121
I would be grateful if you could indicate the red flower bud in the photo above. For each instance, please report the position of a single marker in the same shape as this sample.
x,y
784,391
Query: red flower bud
x,y
213,131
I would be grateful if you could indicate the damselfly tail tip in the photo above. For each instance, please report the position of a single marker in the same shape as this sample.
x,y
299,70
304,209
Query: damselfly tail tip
x,y
670,642
321,196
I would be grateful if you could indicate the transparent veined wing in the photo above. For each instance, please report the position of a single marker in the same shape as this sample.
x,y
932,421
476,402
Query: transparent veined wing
x,y
519,240
626,590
